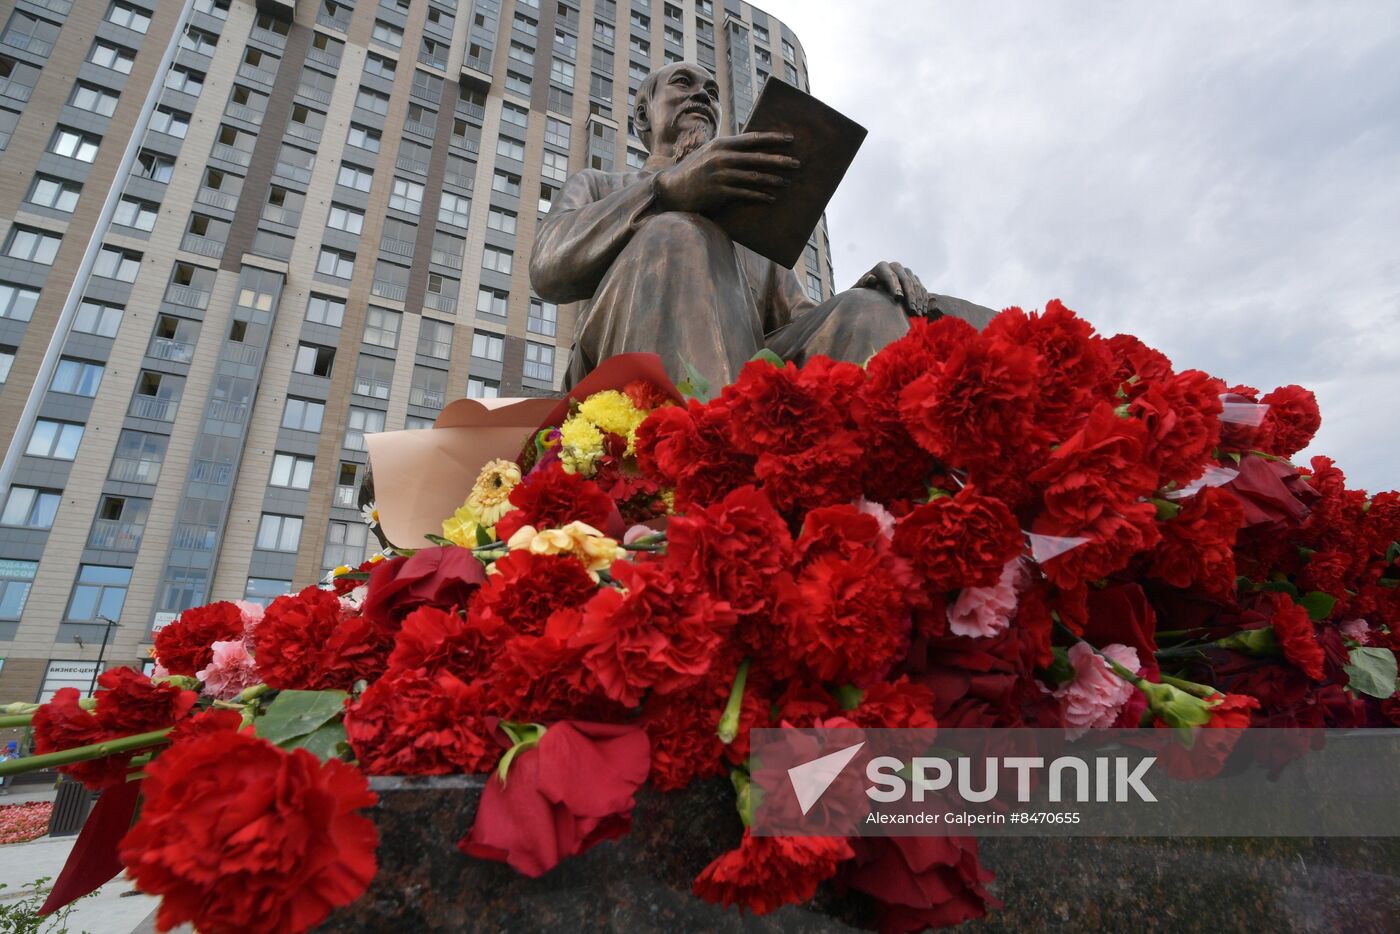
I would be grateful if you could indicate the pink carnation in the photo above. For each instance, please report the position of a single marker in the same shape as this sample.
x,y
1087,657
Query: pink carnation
x,y
1094,697
252,614
987,611
881,514
232,670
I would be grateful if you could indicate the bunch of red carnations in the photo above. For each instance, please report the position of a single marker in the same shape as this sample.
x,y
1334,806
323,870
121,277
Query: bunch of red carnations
x,y
1031,525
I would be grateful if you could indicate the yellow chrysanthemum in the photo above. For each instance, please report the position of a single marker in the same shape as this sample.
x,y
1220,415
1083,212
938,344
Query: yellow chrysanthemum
x,y
460,528
613,412
594,549
669,498
581,445
490,497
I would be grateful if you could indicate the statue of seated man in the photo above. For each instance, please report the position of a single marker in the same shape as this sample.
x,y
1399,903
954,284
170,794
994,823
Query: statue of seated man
x,y
655,273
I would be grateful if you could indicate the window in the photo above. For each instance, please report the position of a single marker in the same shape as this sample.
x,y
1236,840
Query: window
x,y
33,35
492,302
539,362
17,302
511,149
546,201
75,145
98,100
99,593
502,220
116,57
171,122
116,263
435,339
522,53
152,165
76,377
345,545
314,360
58,440
360,422
407,196
98,318
496,259
7,360
38,246
325,309
199,41
555,165
55,193
556,133
363,137
278,533
387,34
478,388
429,387
15,580
182,79
419,119
336,263
506,183
133,212
433,53
348,219
374,377
604,32
525,24
128,16
138,458
518,116
263,590
382,327
561,73
291,471
454,209
566,43
303,414
373,101
30,508
488,346
544,317
353,176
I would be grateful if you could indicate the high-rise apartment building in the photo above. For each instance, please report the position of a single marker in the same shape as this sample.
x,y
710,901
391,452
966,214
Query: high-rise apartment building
x,y
235,237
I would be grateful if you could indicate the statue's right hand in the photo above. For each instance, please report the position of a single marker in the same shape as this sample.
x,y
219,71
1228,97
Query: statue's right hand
x,y
747,167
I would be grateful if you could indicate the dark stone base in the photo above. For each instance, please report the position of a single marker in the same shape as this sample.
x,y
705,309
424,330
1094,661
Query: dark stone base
x,y
641,883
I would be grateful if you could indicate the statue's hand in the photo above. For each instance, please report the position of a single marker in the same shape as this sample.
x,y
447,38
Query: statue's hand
x,y
729,168
901,284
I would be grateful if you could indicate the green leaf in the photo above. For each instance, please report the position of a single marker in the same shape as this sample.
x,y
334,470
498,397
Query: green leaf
x,y
694,386
770,357
325,742
438,539
1166,509
1318,604
295,714
1279,587
1372,671
483,537
1392,553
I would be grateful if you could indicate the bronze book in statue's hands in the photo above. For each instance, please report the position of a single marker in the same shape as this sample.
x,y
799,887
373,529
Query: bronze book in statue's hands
x,y
825,142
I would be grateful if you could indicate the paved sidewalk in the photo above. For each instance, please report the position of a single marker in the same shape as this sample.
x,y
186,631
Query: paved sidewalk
x,y
107,912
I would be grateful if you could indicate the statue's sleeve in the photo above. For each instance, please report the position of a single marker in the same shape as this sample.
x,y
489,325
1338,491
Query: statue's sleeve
x,y
786,299
584,232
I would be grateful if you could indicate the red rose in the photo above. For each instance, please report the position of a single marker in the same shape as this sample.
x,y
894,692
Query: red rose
x,y
1182,420
543,678
1292,420
131,703
290,641
550,498
267,840
1198,546
439,642
62,724
921,882
766,873
573,790
413,723
959,541
1121,613
443,577
1099,469
1295,634
185,646
733,549
523,589
661,633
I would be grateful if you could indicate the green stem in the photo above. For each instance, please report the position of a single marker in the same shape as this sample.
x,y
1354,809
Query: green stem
x,y
101,750
1204,692
729,721
16,720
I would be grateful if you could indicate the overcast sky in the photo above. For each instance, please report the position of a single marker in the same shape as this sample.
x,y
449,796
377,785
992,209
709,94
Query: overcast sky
x,y
1220,179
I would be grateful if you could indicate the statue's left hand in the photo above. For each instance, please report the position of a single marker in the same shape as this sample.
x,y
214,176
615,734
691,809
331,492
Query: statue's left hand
x,y
901,284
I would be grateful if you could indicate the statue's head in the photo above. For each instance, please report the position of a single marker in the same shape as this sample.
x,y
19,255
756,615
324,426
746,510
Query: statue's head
x,y
677,106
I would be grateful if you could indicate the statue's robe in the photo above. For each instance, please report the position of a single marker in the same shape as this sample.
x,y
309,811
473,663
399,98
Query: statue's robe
x,y
674,284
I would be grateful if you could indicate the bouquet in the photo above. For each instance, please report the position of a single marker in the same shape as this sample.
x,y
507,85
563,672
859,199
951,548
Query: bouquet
x,y
1028,526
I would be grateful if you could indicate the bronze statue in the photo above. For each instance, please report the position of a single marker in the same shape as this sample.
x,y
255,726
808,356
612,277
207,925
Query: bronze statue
x,y
656,273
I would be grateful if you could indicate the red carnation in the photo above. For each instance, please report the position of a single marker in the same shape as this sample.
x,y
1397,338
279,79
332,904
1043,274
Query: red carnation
x,y
412,723
661,633
1198,546
62,724
268,840
212,720
733,549
646,395
523,589
784,409
1077,364
1132,358
684,743
921,882
1182,420
443,577
1295,634
689,449
766,873
131,703
1211,744
824,474
550,498
1102,547
292,637
185,646
959,541
439,642
899,704
572,791
1292,420
1273,494
543,678
1097,470
356,651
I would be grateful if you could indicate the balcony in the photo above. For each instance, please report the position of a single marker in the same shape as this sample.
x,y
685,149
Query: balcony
x,y
396,246
231,154
254,73
444,258
217,473
165,348
459,181
322,57
390,290
425,130
409,164
318,95
301,131
274,39
188,296
126,470
341,23
372,388
345,498
242,354
216,199
280,215
294,173
156,409
224,411
30,44
245,113
204,246
14,90
428,398
447,304
113,535
195,537
481,63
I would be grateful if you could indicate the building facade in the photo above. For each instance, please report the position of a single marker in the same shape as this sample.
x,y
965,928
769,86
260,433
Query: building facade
x,y
235,237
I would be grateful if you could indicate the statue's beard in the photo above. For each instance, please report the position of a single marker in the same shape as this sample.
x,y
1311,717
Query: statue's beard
x,y
692,138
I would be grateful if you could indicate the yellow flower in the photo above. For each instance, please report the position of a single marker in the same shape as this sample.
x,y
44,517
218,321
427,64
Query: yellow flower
x,y
460,528
582,445
669,498
594,549
613,412
490,497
